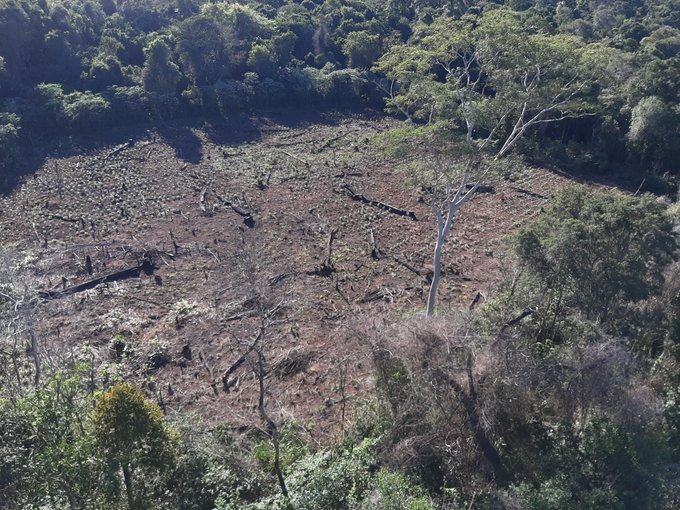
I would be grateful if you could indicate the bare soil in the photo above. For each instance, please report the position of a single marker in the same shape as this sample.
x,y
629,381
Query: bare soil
x,y
162,197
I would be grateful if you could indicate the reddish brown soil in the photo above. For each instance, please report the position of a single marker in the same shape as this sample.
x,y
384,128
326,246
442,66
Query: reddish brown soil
x,y
115,207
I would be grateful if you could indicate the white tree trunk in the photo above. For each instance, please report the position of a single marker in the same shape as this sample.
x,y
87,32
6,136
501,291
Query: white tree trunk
x,y
432,298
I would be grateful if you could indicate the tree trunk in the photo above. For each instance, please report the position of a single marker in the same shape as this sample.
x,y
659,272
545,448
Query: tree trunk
x,y
272,428
436,276
127,476
483,441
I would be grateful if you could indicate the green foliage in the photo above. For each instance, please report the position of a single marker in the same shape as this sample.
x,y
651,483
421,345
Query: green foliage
x,y
203,49
10,125
362,49
609,468
86,110
46,432
292,448
597,251
131,434
160,75
653,126
212,469
132,430
392,491
448,66
603,60
591,265
232,96
331,479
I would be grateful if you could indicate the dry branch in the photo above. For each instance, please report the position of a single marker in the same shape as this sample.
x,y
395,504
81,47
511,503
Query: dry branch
x,y
406,265
328,143
528,193
327,266
306,163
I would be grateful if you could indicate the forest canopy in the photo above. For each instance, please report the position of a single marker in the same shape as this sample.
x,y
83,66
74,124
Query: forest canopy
x,y
610,68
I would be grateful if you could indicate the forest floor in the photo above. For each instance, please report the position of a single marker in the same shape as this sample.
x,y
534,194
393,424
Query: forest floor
x,y
226,212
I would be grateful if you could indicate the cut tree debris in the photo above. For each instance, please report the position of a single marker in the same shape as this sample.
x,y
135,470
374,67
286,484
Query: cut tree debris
x,y
146,266
376,203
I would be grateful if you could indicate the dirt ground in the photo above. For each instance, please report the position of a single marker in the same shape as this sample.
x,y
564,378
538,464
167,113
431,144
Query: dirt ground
x,y
234,216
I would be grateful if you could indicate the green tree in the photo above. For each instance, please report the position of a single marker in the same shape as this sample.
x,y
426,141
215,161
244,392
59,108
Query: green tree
x,y
262,60
62,450
653,131
494,82
85,110
596,251
204,49
9,138
131,433
362,49
160,75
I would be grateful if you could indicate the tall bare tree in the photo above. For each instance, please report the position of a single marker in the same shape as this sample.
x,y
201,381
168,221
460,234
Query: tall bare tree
x,y
495,80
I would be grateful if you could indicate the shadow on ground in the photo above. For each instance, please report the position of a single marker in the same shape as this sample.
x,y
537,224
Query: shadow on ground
x,y
180,134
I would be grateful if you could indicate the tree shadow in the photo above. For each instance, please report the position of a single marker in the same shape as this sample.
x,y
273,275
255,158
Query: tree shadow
x,y
184,135
250,127
185,142
35,155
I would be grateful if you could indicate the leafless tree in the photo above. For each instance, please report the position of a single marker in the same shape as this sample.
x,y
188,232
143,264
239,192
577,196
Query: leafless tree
x,y
455,396
269,305
18,304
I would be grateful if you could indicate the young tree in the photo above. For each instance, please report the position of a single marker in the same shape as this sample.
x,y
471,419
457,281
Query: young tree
x,y
131,433
495,82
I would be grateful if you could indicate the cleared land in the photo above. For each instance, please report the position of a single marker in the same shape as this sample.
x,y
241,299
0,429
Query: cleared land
x,y
160,240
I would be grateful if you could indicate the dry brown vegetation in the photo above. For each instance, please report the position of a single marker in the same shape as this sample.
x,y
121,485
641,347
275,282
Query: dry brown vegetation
x,y
144,241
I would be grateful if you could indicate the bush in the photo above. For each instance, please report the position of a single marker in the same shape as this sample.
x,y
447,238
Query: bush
x,y
598,250
233,96
86,111
129,103
9,139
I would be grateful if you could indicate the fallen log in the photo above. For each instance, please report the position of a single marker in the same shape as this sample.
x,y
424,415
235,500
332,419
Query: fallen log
x,y
64,218
527,192
244,213
146,267
406,265
376,203
482,188
119,149
516,320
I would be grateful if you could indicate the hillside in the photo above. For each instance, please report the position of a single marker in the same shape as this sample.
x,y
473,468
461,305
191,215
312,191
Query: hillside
x,y
160,196
339,255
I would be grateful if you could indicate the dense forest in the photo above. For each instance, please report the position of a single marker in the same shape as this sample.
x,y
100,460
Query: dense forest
x,y
77,66
557,387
